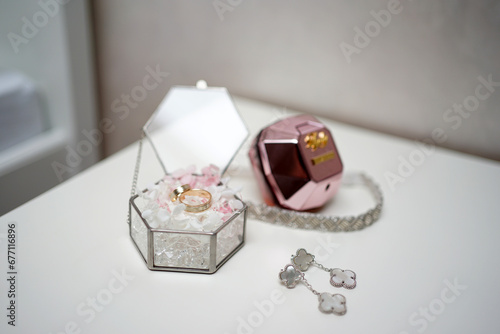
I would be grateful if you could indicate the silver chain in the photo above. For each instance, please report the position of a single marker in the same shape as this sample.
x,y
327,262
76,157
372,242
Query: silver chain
x,y
309,286
133,190
313,221
320,266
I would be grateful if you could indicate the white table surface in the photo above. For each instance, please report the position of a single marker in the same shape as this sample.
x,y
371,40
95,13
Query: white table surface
x,y
439,228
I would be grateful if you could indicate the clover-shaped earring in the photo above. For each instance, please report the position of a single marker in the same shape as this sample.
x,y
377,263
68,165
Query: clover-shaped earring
x,y
291,275
338,277
302,259
332,303
343,278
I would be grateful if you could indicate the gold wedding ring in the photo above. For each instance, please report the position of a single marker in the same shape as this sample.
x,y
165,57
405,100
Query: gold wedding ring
x,y
181,192
197,193
178,191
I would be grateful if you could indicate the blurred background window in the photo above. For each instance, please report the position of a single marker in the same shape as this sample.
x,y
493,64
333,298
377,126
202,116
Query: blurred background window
x,y
47,96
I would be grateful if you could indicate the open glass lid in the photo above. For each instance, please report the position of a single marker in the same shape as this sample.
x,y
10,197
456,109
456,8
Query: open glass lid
x,y
196,126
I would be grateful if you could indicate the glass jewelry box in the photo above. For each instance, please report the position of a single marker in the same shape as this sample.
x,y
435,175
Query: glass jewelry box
x,y
188,221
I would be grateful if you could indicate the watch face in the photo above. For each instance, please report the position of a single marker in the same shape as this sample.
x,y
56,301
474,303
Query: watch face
x,y
298,163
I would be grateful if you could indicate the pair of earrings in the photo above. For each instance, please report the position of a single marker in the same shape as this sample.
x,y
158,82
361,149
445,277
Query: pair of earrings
x,y
292,274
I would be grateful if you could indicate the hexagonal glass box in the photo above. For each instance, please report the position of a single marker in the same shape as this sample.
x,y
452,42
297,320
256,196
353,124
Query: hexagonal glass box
x,y
200,126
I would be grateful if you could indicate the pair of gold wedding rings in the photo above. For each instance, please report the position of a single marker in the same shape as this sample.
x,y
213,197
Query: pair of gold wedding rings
x,y
181,192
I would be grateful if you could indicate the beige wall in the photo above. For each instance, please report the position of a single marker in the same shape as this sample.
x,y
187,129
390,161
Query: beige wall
x,y
402,80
